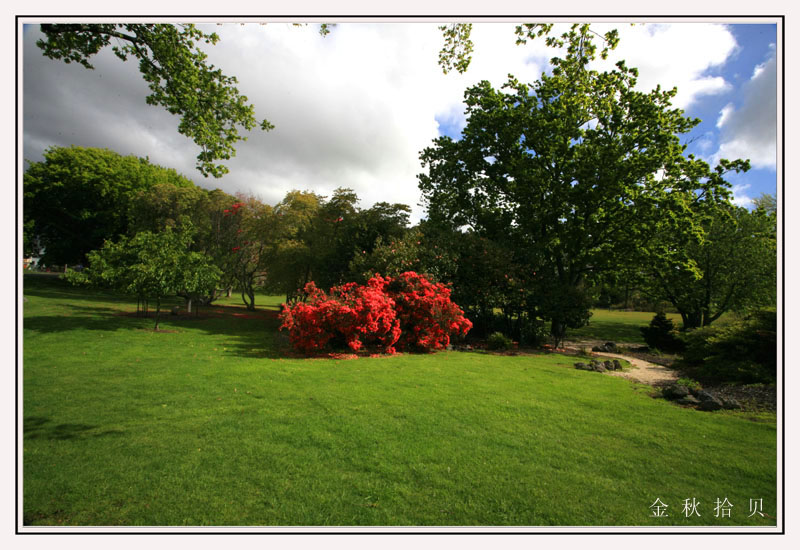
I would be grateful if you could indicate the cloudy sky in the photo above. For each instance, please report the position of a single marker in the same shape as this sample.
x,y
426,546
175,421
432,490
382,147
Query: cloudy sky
x,y
355,108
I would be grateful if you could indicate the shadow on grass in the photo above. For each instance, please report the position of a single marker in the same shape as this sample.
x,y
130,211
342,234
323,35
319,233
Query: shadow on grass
x,y
49,285
80,318
248,334
40,427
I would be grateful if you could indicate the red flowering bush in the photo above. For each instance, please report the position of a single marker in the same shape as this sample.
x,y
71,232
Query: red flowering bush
x,y
350,314
408,310
428,317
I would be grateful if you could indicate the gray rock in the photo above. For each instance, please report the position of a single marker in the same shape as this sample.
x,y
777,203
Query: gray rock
x,y
730,403
582,366
703,395
712,404
617,364
688,400
600,368
675,391
609,365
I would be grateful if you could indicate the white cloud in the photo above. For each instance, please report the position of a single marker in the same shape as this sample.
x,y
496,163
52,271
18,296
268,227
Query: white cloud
x,y
749,131
740,198
353,109
675,55
724,114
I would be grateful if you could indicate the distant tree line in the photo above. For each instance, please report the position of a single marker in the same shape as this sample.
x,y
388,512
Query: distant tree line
x,y
98,208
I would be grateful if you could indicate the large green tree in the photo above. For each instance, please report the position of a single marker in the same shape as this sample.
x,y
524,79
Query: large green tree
x,y
569,171
210,107
78,197
733,266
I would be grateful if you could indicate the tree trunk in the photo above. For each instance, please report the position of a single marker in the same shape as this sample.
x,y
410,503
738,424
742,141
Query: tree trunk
x,y
188,305
251,294
158,310
558,331
251,303
692,319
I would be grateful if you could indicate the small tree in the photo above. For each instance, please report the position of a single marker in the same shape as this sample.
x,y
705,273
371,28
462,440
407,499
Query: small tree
x,y
661,334
150,266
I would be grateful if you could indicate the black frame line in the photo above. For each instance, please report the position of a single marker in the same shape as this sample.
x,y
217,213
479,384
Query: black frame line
x,y
456,530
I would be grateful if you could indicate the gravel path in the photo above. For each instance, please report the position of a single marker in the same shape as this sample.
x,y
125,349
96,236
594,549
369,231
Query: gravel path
x,y
643,371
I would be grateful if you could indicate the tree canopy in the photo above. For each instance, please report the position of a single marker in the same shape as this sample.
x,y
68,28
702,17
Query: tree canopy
x,y
151,266
570,171
731,268
211,109
78,197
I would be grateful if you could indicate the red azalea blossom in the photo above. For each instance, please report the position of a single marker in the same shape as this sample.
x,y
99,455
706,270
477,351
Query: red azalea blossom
x,y
408,311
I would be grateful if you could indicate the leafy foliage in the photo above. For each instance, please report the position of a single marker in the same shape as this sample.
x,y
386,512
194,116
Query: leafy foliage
x,y
416,250
457,50
732,266
78,197
150,266
327,239
744,351
498,341
456,53
568,170
766,202
180,79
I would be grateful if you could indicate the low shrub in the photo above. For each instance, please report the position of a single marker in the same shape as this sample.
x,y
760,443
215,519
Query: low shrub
x,y
498,341
662,334
744,351
534,333
689,383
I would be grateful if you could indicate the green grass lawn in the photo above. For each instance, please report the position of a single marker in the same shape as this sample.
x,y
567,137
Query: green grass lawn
x,y
617,326
212,422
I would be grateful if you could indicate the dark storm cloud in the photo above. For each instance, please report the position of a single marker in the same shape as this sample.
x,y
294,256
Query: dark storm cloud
x,y
66,104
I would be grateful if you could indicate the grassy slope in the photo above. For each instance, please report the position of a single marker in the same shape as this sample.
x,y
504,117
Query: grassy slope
x,y
208,425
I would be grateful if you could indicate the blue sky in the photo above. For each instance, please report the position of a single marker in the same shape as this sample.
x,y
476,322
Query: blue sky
x,y
755,45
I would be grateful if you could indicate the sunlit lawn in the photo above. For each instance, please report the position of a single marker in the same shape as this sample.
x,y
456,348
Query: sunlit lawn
x,y
212,423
